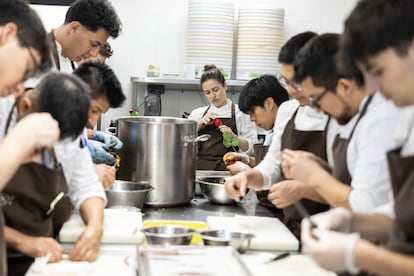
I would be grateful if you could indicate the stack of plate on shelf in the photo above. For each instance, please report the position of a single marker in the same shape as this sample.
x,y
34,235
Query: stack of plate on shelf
x,y
260,35
209,39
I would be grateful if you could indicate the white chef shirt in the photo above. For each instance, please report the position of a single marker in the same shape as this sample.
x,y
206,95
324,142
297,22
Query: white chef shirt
x,y
366,153
245,127
80,175
65,64
405,137
307,119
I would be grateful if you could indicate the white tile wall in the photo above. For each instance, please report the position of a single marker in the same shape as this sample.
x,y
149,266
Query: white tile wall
x,y
154,33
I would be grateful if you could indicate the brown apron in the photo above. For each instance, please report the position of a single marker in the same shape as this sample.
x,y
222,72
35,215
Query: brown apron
x,y
53,48
3,254
210,152
313,141
340,148
28,208
402,178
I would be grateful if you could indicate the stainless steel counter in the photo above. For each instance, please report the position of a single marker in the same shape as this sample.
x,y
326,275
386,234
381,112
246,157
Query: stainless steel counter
x,y
199,208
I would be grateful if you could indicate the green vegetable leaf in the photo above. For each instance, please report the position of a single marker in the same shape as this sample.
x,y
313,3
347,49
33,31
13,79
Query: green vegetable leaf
x,y
235,142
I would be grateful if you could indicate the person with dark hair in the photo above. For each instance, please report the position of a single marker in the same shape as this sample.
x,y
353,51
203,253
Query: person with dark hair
x,y
378,38
299,127
105,52
222,118
106,92
260,98
87,26
360,180
23,51
28,217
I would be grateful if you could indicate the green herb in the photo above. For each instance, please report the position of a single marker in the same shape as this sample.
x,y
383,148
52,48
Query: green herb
x,y
230,141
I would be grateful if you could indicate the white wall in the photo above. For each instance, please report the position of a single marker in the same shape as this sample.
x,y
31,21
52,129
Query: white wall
x,y
154,33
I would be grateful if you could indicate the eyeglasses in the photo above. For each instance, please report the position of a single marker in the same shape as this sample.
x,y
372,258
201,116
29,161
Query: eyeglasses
x,y
285,83
32,72
314,101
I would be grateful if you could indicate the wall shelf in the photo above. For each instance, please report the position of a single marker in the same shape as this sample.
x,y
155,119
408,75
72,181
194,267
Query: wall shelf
x,y
181,84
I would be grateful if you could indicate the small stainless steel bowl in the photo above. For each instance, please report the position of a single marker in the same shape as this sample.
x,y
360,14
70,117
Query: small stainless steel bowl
x,y
168,235
213,189
128,193
238,240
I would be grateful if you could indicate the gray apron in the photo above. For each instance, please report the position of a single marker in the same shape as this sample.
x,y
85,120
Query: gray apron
x,y
313,141
339,149
210,152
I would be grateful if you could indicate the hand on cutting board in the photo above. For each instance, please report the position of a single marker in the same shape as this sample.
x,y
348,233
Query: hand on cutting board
x,y
331,250
87,246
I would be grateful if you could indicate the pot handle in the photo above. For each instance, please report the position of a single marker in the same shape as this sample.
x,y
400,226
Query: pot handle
x,y
111,130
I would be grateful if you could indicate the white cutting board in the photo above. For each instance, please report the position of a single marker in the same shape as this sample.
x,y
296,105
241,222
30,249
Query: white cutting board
x,y
270,233
120,226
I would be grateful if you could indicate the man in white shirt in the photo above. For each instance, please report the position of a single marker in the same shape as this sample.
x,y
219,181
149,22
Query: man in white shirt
x,y
299,126
378,38
360,180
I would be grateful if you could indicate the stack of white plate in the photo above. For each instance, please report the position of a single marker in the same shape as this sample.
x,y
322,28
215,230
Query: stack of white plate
x,y
259,39
210,31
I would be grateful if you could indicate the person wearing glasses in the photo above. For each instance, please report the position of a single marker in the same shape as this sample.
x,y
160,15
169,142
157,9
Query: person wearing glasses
x,y
222,117
378,38
360,180
23,51
297,126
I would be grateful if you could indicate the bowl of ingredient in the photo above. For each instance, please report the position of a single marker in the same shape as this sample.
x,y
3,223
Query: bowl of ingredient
x,y
128,193
168,235
213,189
238,240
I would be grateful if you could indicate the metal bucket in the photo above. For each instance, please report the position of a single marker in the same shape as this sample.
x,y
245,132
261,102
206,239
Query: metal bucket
x,y
162,152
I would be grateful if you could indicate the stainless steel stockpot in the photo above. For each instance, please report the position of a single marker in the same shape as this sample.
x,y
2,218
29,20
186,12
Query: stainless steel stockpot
x,y
161,151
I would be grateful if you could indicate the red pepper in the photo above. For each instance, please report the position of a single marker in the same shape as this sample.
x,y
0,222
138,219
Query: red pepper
x,y
216,122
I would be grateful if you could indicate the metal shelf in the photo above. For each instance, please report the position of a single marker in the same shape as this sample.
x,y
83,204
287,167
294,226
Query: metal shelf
x,y
182,83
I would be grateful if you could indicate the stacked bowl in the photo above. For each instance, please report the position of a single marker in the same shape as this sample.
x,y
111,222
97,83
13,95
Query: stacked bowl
x,y
260,35
209,38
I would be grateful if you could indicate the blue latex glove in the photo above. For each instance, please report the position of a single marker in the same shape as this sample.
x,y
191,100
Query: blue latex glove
x,y
109,140
99,153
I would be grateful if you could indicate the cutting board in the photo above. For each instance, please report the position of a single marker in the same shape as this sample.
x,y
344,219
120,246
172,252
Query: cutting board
x,y
120,226
270,233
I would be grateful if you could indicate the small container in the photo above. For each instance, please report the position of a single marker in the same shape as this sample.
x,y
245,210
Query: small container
x,y
238,240
168,235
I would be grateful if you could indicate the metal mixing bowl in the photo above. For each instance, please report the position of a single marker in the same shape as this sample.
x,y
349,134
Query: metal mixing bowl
x,y
168,235
213,189
128,193
238,240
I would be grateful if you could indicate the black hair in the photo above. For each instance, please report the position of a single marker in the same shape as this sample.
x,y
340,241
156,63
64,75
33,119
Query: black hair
x,y
317,60
102,81
256,91
375,25
95,14
66,98
30,30
289,50
106,50
211,72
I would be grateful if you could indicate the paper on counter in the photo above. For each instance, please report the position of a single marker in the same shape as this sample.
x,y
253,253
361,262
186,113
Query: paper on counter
x,y
120,226
270,233
294,265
